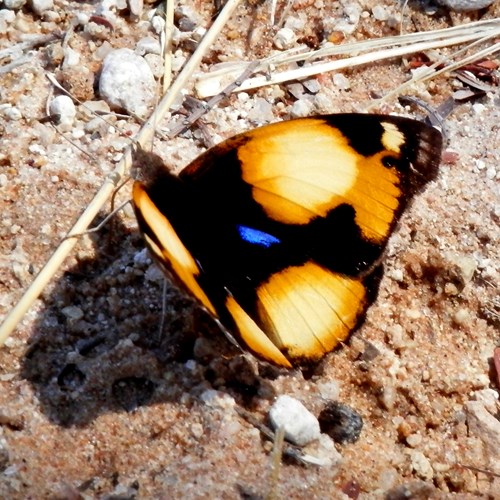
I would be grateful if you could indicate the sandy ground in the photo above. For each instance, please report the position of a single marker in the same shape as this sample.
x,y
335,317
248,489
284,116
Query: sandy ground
x,y
94,404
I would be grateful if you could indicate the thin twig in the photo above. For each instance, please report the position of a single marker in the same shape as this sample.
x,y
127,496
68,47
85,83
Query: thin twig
x,y
391,47
167,51
206,106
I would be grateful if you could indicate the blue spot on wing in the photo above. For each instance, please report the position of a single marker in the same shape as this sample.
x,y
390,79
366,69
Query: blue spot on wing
x,y
256,237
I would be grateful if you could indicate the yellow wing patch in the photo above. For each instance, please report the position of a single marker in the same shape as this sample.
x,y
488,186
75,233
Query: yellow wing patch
x,y
306,168
253,335
305,310
170,251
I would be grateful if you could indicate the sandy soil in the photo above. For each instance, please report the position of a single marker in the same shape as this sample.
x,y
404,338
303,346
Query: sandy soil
x,y
93,404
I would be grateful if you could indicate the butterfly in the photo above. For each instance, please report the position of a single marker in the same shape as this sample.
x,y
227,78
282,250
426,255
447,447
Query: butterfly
x,y
279,232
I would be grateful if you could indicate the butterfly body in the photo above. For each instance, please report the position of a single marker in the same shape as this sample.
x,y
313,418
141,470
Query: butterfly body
x,y
279,232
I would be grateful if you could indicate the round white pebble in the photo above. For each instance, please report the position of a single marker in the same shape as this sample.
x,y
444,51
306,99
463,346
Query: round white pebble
x,y
127,82
40,6
284,39
300,425
63,106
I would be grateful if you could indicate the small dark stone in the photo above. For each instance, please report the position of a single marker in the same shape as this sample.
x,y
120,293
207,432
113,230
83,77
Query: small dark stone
x,y
370,353
340,422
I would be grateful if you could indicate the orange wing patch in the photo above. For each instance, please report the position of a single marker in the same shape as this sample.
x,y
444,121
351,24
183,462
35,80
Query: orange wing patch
x,y
168,249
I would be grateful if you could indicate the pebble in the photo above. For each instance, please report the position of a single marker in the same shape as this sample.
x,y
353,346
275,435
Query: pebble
x,y
63,106
340,422
301,108
341,81
414,440
329,390
135,7
380,13
312,85
300,425
10,112
6,17
13,4
148,45
218,399
72,312
71,58
284,39
41,6
261,111
465,5
421,465
486,427
127,82
488,398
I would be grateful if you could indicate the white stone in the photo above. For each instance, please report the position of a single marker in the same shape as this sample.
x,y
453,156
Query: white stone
x,y
40,6
301,108
380,13
217,399
63,106
13,4
300,425
464,5
148,45
421,465
341,81
284,39
127,82
71,58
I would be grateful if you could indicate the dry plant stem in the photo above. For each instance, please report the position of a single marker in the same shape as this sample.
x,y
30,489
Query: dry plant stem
x,y
145,135
276,455
390,47
169,30
33,42
211,103
432,73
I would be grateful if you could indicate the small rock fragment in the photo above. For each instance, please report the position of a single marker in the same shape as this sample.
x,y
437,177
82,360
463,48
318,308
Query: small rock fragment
x,y
341,81
136,7
312,85
64,108
465,5
301,108
6,17
40,6
127,82
380,13
148,45
73,313
218,399
284,39
421,465
340,422
14,4
486,427
300,425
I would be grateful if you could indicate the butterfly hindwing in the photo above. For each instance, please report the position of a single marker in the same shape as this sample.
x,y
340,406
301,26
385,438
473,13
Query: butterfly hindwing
x,y
279,231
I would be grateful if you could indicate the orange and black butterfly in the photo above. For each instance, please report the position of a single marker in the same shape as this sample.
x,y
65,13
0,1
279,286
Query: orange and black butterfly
x,y
279,232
